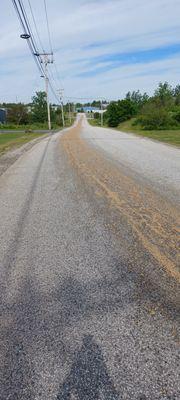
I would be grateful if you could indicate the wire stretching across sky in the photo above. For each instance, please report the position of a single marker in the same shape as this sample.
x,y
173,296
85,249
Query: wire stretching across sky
x,y
32,42
20,11
47,22
50,44
36,28
27,30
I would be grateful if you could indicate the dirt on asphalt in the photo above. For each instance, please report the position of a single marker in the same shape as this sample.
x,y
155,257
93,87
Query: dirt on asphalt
x,y
89,284
150,218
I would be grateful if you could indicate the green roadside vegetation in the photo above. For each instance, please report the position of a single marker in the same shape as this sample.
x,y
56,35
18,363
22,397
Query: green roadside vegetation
x,y
171,136
156,117
36,128
95,121
33,116
11,140
26,128
27,122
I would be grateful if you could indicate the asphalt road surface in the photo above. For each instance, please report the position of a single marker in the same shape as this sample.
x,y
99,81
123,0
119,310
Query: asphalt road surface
x,y
89,269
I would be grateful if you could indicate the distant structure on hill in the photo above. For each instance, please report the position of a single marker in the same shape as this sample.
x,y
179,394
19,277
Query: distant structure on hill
x,y
90,109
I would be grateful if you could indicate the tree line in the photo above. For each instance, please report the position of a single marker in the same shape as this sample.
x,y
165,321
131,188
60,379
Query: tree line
x,y
160,111
34,113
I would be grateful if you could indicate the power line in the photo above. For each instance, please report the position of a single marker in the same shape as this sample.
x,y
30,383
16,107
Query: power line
x,y
57,74
38,57
19,8
35,25
52,76
42,59
47,22
29,36
28,28
53,91
83,98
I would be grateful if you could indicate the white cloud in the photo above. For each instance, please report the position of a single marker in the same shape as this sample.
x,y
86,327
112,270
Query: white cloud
x,y
118,26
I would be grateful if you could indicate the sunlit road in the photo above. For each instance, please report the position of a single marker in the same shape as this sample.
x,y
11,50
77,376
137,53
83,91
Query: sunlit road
x,y
89,269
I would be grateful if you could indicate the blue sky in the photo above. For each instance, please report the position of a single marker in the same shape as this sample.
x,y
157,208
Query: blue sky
x,y
103,48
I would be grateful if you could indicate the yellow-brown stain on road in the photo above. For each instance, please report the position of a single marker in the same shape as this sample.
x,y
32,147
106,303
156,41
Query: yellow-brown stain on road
x,y
153,220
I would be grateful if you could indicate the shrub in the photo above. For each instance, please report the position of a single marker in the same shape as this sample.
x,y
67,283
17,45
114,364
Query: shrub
x,y
126,110
120,111
112,115
177,116
156,117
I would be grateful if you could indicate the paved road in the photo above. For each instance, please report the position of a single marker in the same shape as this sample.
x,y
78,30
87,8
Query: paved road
x,y
157,162
89,273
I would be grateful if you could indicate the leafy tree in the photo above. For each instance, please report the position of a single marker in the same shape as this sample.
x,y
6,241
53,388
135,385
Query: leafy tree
x,y
112,114
39,107
79,106
126,109
177,95
138,99
177,117
17,114
120,111
154,117
164,95
96,103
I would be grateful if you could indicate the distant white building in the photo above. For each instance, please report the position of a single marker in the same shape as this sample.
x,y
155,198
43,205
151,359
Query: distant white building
x,y
91,110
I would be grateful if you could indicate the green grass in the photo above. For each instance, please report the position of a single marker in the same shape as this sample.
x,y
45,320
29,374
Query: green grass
x,y
14,139
171,136
31,127
94,122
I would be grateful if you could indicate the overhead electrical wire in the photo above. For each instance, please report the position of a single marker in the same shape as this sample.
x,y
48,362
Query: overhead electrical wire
x,y
21,5
50,73
19,8
50,44
24,21
35,25
27,30
53,91
83,98
47,22
57,74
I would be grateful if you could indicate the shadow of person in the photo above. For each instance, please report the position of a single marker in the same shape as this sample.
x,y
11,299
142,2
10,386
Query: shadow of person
x,y
88,378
